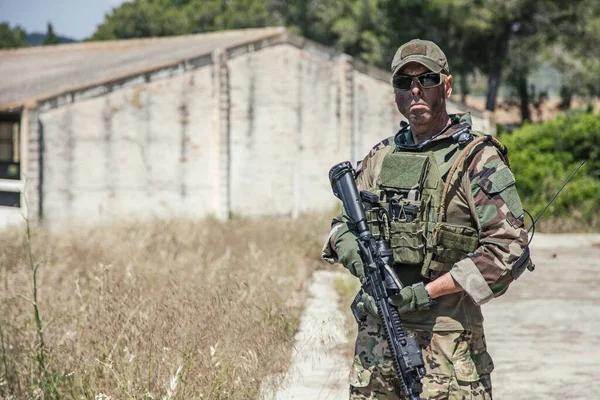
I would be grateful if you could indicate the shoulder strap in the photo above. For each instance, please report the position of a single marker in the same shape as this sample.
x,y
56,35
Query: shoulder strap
x,y
460,162
446,154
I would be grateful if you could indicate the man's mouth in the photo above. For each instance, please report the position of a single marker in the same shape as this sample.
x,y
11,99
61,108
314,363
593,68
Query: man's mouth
x,y
418,106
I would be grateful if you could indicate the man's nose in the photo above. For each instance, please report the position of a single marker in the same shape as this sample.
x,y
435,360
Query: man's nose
x,y
415,89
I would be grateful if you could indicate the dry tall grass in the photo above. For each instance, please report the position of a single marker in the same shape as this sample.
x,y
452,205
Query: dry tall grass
x,y
155,310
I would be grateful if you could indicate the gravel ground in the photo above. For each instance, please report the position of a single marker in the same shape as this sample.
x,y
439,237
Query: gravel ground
x,y
544,333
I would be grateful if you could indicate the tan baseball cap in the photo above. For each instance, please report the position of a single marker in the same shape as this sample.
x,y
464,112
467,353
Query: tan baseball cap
x,y
423,52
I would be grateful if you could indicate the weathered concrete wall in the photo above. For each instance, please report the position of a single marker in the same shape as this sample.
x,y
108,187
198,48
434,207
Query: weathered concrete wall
x,y
250,133
375,113
264,124
146,149
285,130
9,216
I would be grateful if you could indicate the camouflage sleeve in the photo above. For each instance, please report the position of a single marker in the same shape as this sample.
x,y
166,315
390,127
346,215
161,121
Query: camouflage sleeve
x,y
328,253
497,209
342,229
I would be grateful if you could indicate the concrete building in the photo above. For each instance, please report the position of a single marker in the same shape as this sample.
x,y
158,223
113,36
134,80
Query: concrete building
x,y
244,122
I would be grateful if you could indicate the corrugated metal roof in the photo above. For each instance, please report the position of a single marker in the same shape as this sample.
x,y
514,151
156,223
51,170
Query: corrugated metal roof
x,y
40,72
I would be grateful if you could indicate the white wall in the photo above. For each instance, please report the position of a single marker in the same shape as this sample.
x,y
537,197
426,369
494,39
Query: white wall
x,y
285,130
10,216
376,114
144,149
157,148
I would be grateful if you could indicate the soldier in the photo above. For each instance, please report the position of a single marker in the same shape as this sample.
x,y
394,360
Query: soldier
x,y
447,203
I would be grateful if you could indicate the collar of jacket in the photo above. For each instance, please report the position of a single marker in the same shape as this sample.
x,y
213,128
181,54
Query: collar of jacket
x,y
458,123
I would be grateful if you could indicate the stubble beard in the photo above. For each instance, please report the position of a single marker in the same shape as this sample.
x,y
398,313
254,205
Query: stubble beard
x,y
426,123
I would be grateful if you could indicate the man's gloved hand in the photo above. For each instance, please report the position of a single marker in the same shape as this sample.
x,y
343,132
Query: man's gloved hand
x,y
347,251
412,298
366,305
351,260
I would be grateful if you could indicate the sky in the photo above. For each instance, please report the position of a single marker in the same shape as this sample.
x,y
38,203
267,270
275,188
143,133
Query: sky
x,y
76,19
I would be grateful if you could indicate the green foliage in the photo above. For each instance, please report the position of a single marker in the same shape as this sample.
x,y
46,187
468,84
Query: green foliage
x,y
575,53
147,18
51,37
353,26
12,37
144,19
543,156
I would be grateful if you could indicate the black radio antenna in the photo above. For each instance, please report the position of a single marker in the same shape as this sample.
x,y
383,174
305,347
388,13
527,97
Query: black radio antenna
x,y
555,196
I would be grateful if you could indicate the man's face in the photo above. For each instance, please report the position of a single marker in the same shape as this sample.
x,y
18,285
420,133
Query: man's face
x,y
422,107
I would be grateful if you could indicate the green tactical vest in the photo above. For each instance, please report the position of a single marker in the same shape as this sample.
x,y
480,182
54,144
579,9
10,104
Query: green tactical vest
x,y
407,211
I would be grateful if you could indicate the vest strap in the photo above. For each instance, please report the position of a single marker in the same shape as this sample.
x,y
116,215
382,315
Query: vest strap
x,y
460,160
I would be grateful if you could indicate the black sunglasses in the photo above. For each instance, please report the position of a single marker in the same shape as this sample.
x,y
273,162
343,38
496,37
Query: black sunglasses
x,y
426,80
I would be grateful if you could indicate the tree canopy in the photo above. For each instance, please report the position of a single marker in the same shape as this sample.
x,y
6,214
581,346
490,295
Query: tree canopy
x,y
51,37
544,155
12,37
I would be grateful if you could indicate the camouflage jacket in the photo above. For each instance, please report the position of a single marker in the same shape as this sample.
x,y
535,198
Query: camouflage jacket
x,y
475,201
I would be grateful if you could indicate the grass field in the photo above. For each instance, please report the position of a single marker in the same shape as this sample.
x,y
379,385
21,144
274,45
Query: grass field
x,y
154,309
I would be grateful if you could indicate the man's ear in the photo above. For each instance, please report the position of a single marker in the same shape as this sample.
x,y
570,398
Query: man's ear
x,y
448,86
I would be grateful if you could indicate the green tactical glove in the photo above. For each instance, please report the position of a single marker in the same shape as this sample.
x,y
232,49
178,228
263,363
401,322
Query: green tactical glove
x,y
347,251
412,298
366,305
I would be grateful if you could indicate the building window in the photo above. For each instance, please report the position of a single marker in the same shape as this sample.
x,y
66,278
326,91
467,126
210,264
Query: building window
x,y
10,199
10,154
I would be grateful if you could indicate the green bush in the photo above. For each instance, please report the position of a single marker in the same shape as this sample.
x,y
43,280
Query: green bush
x,y
543,156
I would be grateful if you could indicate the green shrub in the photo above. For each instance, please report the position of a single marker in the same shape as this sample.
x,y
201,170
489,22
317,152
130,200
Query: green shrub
x,y
543,156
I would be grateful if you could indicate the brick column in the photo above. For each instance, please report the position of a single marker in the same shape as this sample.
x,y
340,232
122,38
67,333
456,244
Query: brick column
x,y
221,134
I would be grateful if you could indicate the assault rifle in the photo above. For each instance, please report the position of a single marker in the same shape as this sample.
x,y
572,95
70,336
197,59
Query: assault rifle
x,y
380,282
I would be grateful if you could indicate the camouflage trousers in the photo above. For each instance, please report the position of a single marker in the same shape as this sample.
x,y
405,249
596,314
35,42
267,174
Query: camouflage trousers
x,y
457,363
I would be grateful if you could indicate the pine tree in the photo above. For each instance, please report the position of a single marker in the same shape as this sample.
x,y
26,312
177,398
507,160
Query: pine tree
x,y
51,37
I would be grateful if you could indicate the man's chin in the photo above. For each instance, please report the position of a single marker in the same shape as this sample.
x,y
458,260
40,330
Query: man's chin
x,y
419,118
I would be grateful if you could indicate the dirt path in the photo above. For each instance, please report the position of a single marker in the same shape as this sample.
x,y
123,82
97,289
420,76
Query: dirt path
x,y
319,370
543,334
